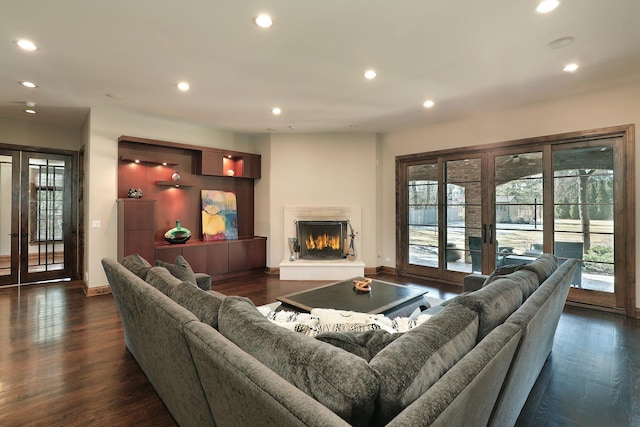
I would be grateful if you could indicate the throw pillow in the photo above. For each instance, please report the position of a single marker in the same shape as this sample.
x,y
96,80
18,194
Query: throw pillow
x,y
364,344
180,269
137,265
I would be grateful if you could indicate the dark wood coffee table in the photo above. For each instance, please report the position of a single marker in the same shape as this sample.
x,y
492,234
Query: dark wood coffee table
x,y
383,298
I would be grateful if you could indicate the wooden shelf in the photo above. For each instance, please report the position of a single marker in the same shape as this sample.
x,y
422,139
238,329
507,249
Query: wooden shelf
x,y
147,161
176,184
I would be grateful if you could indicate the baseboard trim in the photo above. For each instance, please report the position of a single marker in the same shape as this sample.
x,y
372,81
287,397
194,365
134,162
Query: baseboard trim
x,y
272,270
94,291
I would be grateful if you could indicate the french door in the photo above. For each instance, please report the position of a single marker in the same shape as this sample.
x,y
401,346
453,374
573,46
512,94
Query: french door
x,y
9,216
37,219
478,209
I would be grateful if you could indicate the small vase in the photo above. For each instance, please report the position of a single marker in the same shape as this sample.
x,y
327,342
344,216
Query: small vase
x,y
178,234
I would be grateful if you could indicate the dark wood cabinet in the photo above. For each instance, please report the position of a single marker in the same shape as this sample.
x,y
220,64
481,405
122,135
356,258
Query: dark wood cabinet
x,y
136,228
222,259
211,163
247,254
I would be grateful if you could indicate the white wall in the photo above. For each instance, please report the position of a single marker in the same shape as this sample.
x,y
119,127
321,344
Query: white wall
x,y
612,107
333,169
32,134
104,128
262,197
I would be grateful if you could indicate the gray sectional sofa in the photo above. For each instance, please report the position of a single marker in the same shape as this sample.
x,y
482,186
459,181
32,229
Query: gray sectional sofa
x,y
216,360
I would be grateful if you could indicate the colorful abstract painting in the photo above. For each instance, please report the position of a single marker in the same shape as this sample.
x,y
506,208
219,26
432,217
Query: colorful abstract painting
x,y
219,215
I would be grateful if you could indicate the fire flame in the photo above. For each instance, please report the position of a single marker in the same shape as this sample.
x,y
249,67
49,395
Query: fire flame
x,y
323,241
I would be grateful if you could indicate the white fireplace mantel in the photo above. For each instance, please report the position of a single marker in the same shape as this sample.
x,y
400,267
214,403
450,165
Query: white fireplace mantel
x,y
302,269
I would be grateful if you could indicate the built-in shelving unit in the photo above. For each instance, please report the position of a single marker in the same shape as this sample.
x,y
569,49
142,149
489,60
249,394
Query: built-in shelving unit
x,y
201,168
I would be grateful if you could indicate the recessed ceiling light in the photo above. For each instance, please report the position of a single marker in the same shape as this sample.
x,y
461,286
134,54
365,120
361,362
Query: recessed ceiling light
x,y
184,86
546,6
30,111
28,84
428,103
570,68
263,21
276,111
369,74
27,45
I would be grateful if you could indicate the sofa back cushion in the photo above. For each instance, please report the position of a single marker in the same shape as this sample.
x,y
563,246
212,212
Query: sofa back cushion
x,y
179,269
162,280
543,266
501,272
493,303
415,361
341,381
137,265
465,394
365,344
526,280
204,304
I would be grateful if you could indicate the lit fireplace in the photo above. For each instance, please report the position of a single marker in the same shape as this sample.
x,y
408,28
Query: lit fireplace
x,y
322,239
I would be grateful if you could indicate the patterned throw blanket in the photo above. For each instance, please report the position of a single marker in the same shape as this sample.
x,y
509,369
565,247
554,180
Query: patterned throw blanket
x,y
328,320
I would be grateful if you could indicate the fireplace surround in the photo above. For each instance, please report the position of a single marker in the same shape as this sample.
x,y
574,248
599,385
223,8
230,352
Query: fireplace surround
x,y
333,267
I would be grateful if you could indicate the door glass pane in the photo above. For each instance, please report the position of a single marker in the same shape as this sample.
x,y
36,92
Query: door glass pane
x,y
519,207
6,186
463,209
583,213
46,203
423,214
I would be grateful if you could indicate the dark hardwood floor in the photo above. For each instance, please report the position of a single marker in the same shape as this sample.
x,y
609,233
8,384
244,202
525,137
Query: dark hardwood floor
x,y
63,361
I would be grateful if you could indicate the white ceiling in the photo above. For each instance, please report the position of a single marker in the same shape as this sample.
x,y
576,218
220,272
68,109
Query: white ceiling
x,y
466,55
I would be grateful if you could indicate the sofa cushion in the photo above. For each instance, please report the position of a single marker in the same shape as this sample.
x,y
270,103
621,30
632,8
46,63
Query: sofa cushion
x,y
204,304
179,269
543,266
341,381
364,344
137,265
415,361
525,279
501,271
162,280
493,303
